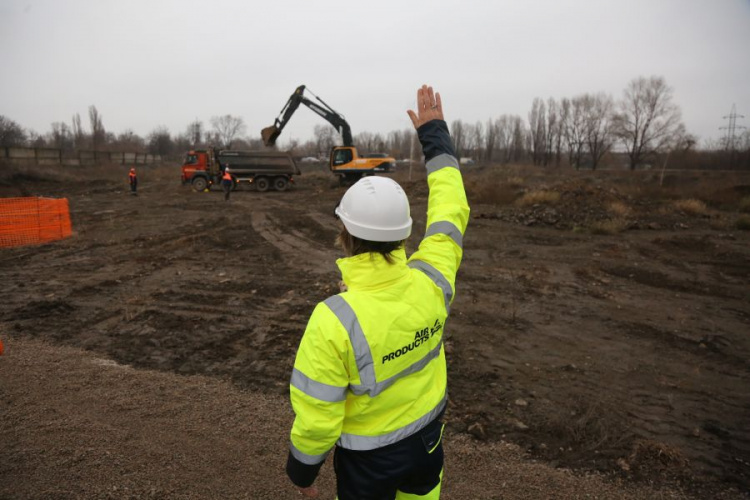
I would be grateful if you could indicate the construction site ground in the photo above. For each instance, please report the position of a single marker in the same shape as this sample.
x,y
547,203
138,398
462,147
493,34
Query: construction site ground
x,y
598,345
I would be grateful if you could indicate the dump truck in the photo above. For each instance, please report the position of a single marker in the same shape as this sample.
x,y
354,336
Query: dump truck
x,y
344,161
203,168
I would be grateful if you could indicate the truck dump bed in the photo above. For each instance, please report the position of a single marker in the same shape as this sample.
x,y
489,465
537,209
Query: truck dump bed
x,y
258,163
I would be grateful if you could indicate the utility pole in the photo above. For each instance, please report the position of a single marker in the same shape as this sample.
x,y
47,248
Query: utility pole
x,y
731,128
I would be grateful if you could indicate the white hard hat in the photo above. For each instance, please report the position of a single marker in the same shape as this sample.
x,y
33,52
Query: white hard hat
x,y
376,209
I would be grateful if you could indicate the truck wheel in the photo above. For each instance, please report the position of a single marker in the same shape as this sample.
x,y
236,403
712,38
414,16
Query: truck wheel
x,y
280,183
200,184
261,184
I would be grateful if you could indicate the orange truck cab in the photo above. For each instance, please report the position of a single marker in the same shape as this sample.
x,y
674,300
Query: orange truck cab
x,y
202,168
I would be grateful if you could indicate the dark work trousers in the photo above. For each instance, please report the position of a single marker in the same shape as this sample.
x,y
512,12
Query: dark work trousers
x,y
413,465
133,186
227,187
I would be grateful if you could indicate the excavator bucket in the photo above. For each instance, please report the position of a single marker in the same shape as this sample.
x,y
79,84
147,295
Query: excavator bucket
x,y
269,135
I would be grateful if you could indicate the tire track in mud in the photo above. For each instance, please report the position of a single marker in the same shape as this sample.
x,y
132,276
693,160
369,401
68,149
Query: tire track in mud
x,y
294,246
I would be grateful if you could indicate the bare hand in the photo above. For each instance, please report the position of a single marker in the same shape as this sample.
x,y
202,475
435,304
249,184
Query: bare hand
x,y
429,107
309,492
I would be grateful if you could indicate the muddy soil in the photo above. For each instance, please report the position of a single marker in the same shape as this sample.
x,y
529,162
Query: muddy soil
x,y
624,353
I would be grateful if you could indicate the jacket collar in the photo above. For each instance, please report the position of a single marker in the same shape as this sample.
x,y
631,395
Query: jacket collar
x,y
370,271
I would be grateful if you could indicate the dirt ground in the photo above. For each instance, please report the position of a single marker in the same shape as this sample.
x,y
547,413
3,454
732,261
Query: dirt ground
x,y
622,357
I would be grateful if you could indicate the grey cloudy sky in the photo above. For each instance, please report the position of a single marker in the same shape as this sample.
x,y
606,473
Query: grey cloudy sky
x,y
145,63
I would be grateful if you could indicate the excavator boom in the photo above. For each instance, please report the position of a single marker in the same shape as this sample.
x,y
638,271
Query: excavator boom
x,y
270,134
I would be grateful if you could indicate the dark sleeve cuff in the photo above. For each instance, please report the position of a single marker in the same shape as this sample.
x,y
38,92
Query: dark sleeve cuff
x,y
301,474
435,139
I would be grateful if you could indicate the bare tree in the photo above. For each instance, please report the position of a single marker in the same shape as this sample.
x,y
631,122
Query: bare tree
x,y
79,136
11,133
744,143
680,145
60,136
647,122
459,136
325,138
490,140
98,135
598,114
227,128
472,140
366,142
553,131
369,142
518,150
537,130
36,140
563,110
160,141
575,129
194,133
504,128
398,143
477,141
292,145
130,141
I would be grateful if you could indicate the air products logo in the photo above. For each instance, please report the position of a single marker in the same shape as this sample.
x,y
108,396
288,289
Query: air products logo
x,y
420,337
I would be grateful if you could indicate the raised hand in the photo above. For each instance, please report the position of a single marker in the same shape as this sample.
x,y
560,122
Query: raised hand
x,y
429,107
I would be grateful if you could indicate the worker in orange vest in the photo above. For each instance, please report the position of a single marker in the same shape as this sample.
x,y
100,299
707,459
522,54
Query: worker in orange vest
x,y
226,183
133,182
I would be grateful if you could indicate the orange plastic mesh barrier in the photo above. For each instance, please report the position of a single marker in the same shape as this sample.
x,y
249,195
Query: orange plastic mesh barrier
x,y
31,221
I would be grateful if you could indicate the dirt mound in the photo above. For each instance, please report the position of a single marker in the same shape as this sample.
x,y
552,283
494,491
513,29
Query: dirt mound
x,y
593,206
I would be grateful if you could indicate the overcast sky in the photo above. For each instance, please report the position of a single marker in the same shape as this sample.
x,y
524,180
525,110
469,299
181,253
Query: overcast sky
x,y
145,63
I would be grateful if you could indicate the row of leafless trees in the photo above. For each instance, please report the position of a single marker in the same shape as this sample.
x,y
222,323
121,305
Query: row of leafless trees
x,y
224,131
644,124
581,130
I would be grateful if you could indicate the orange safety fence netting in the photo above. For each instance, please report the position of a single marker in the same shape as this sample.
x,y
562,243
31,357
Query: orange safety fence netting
x,y
31,221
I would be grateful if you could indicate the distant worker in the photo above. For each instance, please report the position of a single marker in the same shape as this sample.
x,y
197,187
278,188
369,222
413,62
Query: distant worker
x,y
133,178
226,183
370,378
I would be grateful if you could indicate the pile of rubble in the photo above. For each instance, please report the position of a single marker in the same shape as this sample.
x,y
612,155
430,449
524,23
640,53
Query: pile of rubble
x,y
578,205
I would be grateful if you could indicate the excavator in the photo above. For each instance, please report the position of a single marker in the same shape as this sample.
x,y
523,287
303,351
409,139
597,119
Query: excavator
x,y
345,161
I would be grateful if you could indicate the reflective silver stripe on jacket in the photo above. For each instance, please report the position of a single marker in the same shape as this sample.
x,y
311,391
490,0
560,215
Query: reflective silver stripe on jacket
x,y
305,458
362,353
441,161
356,442
379,387
317,390
363,356
447,228
437,278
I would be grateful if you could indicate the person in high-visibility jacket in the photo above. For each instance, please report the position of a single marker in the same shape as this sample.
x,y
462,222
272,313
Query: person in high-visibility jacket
x,y
133,180
227,183
369,378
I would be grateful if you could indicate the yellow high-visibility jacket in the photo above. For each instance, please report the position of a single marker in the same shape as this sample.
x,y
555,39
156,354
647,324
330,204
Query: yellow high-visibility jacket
x,y
370,369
